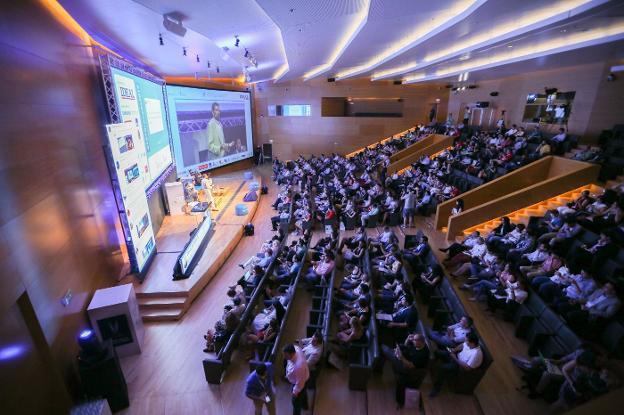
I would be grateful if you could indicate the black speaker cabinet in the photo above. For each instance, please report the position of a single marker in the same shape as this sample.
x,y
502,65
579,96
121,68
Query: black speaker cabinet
x,y
102,378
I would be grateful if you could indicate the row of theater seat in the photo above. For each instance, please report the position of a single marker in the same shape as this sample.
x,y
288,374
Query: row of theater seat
x,y
364,355
268,352
445,308
215,368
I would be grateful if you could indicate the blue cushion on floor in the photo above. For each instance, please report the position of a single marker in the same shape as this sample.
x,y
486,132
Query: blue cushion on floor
x,y
254,186
241,209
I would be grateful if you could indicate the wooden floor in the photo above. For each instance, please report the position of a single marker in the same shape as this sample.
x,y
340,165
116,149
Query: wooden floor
x,y
167,378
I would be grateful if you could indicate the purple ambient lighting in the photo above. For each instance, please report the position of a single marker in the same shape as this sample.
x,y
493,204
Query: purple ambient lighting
x,y
11,352
85,334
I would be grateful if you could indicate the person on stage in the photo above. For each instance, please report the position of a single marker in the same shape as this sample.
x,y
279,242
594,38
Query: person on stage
x,y
216,139
206,184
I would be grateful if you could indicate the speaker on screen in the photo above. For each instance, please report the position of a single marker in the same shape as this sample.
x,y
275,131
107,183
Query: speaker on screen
x,y
210,128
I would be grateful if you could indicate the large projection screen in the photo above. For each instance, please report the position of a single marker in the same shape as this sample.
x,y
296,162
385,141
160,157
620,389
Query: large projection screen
x,y
209,128
142,99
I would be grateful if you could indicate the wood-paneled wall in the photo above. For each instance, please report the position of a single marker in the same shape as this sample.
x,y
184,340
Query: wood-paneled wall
x,y
428,147
315,134
57,212
516,180
597,104
562,175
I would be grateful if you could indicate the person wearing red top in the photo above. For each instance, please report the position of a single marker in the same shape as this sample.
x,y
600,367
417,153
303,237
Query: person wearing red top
x,y
330,214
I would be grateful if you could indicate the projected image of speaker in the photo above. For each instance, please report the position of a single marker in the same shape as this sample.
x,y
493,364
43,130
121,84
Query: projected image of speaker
x,y
101,372
209,131
209,128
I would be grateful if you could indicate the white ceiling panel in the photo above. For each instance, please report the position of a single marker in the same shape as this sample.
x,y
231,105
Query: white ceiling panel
x,y
313,30
377,39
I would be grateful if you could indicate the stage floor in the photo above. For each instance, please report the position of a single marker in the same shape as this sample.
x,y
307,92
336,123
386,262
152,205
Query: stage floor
x,y
160,298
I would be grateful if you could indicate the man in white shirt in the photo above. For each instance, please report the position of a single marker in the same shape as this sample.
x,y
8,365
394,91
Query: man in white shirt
x,y
455,334
512,131
466,116
312,348
581,286
534,258
297,373
560,138
603,302
465,357
591,316
206,183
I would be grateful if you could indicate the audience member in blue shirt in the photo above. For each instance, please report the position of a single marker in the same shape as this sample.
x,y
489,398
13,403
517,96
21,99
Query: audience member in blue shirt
x,y
259,388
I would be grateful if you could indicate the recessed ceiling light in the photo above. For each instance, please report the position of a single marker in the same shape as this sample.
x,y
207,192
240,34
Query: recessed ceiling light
x,y
599,35
356,24
541,17
564,30
510,46
460,10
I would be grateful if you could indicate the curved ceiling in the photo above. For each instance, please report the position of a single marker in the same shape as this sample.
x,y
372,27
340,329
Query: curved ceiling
x,y
412,41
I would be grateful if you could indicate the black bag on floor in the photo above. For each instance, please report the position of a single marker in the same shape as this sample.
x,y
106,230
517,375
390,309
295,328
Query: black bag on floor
x,y
248,230
264,189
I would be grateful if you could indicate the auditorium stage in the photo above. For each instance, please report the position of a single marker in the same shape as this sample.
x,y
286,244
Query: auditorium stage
x,y
162,299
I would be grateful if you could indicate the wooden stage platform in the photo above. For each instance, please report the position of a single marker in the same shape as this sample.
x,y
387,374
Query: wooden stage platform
x,y
162,299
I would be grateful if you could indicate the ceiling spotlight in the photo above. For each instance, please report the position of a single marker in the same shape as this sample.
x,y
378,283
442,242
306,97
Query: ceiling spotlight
x,y
218,70
160,39
208,64
246,53
183,51
510,46
197,58
237,41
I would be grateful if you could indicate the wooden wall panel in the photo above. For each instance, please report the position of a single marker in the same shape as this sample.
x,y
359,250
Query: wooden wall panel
x,y
597,104
608,109
565,175
315,134
57,211
516,180
41,394
433,144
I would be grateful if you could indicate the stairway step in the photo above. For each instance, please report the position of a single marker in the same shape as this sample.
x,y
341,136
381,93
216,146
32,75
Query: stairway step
x,y
163,294
162,315
161,303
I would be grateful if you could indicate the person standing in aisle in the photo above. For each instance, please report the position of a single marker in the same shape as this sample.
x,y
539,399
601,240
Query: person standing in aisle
x,y
259,388
297,373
